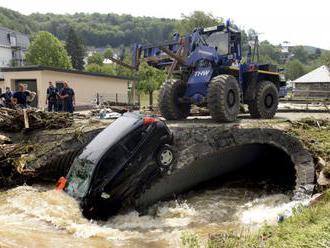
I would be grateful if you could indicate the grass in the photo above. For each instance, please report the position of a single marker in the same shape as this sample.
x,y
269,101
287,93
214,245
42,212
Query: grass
x,y
144,99
190,240
309,227
315,134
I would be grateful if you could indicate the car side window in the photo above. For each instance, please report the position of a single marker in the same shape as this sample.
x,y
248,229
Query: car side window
x,y
132,140
116,156
120,153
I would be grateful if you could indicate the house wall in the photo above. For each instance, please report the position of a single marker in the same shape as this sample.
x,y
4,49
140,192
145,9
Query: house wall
x,y
10,78
5,56
2,86
85,86
312,90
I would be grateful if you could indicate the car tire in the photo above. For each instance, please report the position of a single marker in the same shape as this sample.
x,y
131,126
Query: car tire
x,y
169,106
165,157
223,98
266,102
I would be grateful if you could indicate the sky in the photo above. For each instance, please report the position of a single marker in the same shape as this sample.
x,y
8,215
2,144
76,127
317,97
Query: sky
x,y
299,22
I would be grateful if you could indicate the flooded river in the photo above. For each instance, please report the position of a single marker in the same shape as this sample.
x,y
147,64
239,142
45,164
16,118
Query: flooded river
x,y
39,216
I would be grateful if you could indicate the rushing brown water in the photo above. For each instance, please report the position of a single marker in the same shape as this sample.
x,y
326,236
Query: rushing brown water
x,y
41,217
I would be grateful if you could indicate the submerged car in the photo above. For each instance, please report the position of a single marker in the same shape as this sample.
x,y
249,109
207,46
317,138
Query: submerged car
x,y
119,163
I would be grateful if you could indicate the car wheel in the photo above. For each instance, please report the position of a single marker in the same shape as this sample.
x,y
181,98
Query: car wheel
x,y
165,157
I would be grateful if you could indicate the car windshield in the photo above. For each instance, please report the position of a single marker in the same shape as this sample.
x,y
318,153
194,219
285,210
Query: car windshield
x,y
220,41
79,178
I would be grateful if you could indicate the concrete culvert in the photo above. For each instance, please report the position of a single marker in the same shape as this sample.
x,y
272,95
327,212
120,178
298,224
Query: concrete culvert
x,y
210,153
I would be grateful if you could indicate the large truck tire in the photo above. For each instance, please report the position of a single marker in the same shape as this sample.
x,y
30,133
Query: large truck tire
x,y
223,98
170,106
266,102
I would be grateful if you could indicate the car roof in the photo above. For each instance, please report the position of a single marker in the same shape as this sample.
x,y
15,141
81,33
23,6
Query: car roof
x,y
110,136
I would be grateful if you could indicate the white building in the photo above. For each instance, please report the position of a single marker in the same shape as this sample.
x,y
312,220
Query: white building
x,y
13,46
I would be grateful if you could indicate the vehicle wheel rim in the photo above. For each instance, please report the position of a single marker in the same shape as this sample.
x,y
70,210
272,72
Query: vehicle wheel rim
x,y
166,157
269,101
231,98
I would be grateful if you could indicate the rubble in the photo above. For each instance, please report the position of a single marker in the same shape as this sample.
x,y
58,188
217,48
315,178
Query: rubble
x,y
323,179
13,120
46,151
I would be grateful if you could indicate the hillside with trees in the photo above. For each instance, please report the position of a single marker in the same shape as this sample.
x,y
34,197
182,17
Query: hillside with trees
x,y
119,31
98,30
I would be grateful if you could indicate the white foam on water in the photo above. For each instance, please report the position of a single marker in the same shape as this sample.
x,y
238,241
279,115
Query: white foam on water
x,y
267,209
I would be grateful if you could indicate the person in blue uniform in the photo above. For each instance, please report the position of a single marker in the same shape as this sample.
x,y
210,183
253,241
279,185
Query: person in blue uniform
x,y
51,99
67,95
6,97
20,97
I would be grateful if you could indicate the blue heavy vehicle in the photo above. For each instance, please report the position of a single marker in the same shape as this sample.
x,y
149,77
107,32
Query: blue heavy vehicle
x,y
205,68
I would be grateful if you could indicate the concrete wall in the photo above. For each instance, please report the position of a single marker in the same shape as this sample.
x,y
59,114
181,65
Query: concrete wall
x,y
200,156
85,86
10,78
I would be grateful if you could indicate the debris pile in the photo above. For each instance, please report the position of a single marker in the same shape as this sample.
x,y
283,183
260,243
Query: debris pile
x,y
15,120
10,154
108,113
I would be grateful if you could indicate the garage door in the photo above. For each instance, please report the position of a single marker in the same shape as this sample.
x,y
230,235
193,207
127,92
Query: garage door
x,y
31,86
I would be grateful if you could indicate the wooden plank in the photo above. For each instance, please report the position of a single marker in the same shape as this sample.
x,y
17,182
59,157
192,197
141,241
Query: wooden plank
x,y
26,120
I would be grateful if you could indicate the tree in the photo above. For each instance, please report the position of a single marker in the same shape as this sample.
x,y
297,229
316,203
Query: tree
x,y
265,59
325,58
108,53
75,49
95,58
46,49
94,68
95,64
294,69
109,69
150,80
270,51
106,68
316,55
126,57
195,20
300,54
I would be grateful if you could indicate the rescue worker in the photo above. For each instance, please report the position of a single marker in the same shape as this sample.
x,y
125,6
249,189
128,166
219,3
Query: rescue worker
x,y
6,97
20,97
51,99
59,102
68,96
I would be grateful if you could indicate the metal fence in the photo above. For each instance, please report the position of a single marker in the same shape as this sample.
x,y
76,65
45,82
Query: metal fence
x,y
116,98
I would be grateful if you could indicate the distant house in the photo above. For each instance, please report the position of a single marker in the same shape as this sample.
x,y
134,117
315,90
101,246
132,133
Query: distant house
x,y
315,84
285,53
13,46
